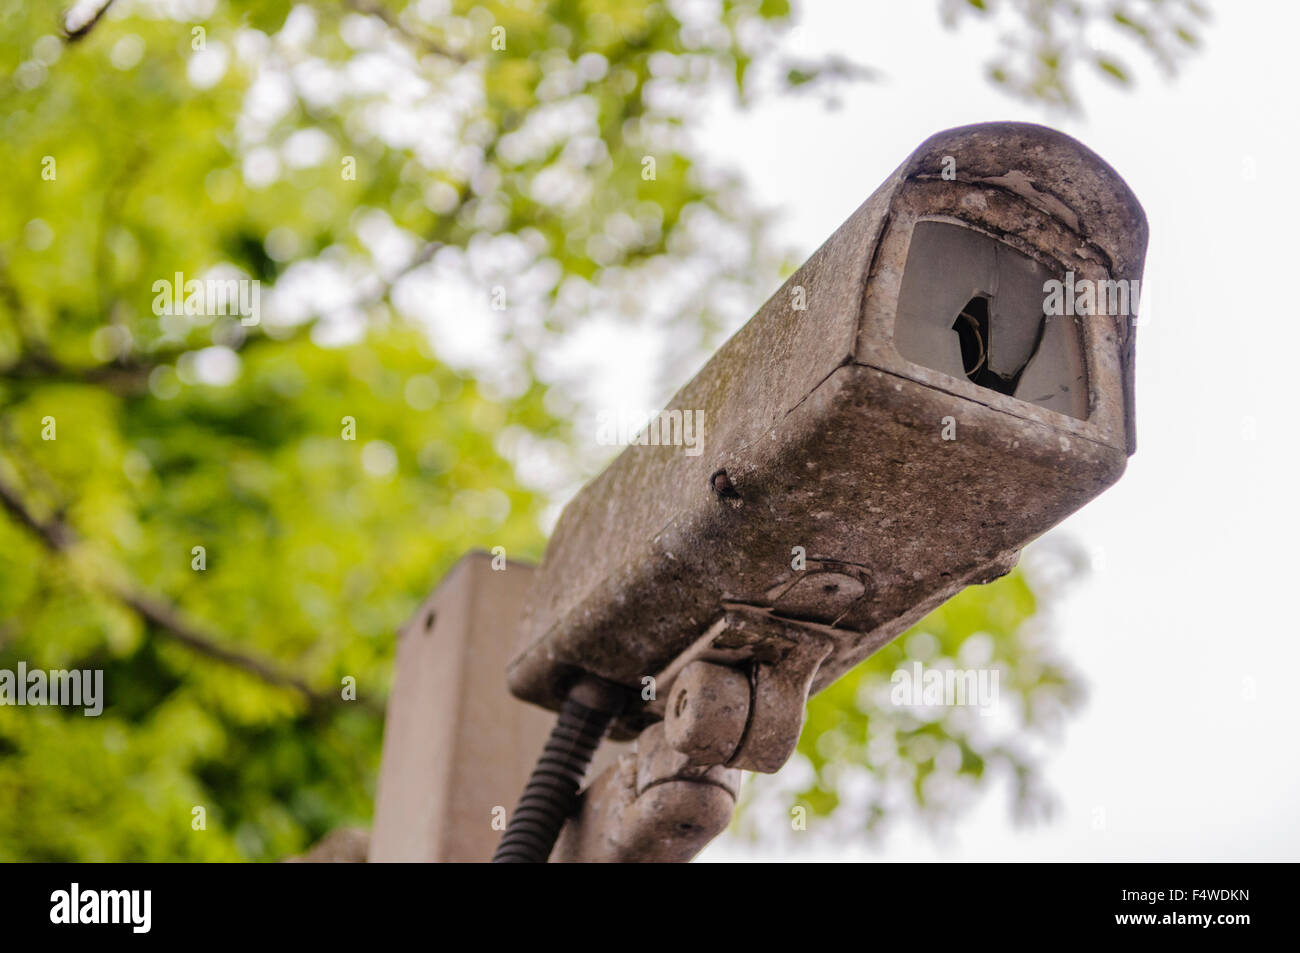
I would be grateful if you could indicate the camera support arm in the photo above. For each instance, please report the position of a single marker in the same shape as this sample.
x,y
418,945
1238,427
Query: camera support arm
x,y
734,700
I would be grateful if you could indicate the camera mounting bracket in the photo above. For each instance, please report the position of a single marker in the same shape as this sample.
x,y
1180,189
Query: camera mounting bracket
x,y
736,697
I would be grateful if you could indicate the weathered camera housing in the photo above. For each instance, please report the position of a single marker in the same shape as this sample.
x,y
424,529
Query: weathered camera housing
x,y
826,427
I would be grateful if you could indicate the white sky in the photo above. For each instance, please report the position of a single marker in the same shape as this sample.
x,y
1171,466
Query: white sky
x,y
1185,632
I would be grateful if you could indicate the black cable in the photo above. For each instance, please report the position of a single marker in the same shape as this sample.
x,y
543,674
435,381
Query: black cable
x,y
551,794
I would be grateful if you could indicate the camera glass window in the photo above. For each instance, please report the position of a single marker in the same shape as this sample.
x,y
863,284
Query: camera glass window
x,y
972,307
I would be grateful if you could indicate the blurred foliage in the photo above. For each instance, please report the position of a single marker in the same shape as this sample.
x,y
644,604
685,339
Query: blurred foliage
x,y
1044,42
386,170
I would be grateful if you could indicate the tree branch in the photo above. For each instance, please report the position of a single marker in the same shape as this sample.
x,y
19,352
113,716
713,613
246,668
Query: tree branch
x,y
165,618
376,9
51,534
71,34
129,375
126,375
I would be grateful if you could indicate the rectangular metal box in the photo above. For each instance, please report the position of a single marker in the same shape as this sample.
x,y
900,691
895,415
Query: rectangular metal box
x,y
855,429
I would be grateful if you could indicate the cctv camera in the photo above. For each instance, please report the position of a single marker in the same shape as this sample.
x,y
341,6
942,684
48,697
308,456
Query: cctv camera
x,y
946,378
